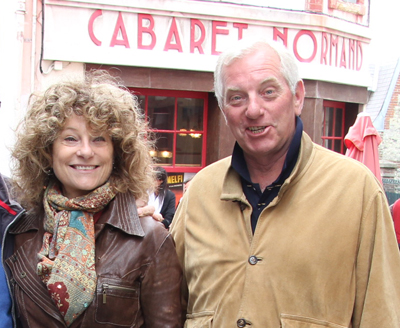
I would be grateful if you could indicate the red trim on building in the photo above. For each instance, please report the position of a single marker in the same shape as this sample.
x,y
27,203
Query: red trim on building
x,y
335,125
174,168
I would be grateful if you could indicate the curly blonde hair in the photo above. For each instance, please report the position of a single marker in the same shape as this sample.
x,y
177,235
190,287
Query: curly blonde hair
x,y
108,107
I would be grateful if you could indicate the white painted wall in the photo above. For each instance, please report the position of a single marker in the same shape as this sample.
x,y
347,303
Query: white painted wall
x,y
13,99
287,4
11,41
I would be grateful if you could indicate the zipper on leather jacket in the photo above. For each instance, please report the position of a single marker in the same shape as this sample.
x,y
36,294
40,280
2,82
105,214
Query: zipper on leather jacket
x,y
108,286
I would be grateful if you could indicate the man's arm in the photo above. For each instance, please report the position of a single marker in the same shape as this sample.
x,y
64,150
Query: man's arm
x,y
177,230
377,268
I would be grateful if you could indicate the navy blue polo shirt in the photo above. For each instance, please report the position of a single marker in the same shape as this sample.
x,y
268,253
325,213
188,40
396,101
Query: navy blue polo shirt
x,y
259,200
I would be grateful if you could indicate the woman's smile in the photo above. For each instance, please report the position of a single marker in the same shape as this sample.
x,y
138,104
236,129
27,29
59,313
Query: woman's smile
x,y
84,167
82,160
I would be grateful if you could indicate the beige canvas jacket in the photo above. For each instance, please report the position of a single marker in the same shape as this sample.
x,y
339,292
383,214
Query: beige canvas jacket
x,y
324,253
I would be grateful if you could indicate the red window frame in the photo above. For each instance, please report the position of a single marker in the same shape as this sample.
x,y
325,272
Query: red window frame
x,y
335,105
179,94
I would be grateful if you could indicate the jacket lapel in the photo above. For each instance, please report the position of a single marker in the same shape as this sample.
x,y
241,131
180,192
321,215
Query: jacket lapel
x,y
23,264
122,214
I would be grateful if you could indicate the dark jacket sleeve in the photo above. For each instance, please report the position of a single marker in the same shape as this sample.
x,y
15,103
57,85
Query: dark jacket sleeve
x,y
168,208
7,214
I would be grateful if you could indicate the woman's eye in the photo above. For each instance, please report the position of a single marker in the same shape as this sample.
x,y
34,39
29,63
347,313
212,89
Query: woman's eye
x,y
100,138
70,139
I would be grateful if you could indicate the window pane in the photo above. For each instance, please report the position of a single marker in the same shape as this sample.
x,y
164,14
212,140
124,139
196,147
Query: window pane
x,y
352,1
189,149
334,117
328,121
327,143
161,111
190,114
338,122
142,103
337,146
164,148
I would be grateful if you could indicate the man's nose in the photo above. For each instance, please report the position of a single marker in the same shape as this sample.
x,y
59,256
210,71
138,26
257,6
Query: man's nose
x,y
254,107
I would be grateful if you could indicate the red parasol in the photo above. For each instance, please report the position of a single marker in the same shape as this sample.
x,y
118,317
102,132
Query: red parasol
x,y
362,142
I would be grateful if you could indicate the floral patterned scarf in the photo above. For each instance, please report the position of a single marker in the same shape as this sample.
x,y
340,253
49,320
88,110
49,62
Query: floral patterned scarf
x,y
67,258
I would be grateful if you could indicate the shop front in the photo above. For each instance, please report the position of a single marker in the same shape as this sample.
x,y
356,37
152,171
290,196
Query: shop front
x,y
165,52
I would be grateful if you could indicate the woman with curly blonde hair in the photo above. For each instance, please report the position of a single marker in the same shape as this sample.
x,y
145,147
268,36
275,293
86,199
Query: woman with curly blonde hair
x,y
80,256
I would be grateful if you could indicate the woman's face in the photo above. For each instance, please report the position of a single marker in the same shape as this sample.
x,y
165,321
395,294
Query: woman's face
x,y
82,161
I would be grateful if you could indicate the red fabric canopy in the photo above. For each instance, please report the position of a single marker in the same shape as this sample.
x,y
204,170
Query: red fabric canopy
x,y
362,142
396,219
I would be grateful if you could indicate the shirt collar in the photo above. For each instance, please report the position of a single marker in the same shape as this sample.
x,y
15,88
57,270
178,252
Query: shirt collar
x,y
240,166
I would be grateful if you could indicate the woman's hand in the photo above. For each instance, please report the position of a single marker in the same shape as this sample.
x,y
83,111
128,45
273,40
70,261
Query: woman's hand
x,y
157,217
146,210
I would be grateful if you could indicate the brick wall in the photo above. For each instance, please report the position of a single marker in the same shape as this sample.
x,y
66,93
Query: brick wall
x,y
389,149
315,5
394,102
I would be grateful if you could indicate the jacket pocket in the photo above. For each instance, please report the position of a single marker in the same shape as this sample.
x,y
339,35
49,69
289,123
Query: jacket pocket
x,y
296,321
117,304
200,320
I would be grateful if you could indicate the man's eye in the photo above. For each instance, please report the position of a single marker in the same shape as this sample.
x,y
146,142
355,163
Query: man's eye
x,y
235,99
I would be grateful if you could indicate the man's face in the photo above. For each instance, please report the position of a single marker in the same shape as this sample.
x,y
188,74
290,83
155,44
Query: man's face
x,y
259,106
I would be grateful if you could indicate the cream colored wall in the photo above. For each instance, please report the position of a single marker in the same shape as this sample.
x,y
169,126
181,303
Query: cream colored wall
x,y
19,69
11,46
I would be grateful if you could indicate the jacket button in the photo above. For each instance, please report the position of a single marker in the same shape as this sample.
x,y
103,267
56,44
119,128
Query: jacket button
x,y
253,260
242,323
22,274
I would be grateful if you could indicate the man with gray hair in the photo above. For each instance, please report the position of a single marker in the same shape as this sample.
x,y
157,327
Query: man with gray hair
x,y
283,233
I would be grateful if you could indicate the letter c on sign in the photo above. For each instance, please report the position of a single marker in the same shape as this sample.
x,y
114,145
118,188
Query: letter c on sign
x,y
296,39
96,14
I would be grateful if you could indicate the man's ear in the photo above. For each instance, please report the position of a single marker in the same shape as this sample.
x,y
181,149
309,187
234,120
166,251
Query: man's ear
x,y
299,97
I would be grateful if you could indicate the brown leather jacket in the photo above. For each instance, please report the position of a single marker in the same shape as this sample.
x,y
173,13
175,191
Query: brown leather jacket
x,y
138,272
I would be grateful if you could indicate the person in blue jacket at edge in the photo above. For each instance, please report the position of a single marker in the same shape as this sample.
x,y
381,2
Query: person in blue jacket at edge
x,y
9,210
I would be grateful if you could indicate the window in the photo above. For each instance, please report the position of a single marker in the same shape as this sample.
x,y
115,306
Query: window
x,y
178,119
334,126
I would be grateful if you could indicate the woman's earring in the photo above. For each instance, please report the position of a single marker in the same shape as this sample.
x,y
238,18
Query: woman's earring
x,y
49,171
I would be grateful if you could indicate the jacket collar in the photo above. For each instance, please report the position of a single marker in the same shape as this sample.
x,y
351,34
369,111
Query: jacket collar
x,y
239,162
232,187
121,213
